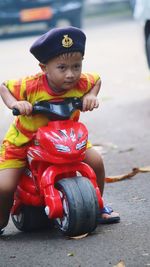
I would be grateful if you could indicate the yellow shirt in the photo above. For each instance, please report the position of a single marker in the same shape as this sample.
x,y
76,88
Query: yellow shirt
x,y
34,89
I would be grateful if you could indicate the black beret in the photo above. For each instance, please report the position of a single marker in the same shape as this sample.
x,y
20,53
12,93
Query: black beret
x,y
58,41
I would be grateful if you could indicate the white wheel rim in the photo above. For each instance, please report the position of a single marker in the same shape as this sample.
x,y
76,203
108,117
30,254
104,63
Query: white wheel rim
x,y
64,221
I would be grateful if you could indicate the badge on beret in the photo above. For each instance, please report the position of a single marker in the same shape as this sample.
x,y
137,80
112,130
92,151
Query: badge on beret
x,y
67,41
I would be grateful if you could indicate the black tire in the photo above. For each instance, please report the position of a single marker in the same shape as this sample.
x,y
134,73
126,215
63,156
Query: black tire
x,y
31,219
147,46
80,206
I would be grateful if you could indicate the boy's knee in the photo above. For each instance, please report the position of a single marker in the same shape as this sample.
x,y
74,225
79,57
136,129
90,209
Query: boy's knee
x,y
9,179
6,189
98,161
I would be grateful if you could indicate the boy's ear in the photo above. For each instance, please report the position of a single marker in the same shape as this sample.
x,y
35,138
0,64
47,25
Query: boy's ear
x,y
43,67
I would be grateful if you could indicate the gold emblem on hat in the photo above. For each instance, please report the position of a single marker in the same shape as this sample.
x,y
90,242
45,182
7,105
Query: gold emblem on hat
x,y
67,41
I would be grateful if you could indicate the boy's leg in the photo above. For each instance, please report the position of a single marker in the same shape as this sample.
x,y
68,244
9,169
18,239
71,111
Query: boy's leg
x,y
8,182
94,160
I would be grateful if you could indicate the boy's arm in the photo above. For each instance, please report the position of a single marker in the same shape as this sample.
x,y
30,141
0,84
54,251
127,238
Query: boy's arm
x,y
11,102
90,100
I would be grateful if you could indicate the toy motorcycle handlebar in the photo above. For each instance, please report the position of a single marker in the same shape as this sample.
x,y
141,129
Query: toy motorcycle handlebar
x,y
55,109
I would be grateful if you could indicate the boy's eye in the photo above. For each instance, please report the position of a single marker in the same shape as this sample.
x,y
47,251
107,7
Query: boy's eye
x,y
64,67
77,66
61,67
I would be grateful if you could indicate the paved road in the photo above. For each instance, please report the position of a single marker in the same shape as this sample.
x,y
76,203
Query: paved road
x,y
120,129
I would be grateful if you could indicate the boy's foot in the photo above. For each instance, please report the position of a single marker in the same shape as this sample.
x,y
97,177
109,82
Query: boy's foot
x,y
107,216
1,231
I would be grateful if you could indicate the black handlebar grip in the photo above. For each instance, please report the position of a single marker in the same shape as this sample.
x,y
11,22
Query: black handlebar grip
x,y
15,112
78,103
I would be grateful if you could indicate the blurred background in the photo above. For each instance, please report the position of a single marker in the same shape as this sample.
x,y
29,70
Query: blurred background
x,y
31,17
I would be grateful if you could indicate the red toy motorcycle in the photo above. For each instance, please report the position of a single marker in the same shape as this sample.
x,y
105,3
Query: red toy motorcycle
x,y
56,185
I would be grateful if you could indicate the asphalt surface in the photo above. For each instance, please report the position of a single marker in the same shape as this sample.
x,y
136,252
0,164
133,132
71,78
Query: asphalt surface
x,y
119,129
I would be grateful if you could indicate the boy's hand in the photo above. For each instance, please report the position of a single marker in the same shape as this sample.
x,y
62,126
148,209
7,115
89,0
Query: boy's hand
x,y
24,107
90,102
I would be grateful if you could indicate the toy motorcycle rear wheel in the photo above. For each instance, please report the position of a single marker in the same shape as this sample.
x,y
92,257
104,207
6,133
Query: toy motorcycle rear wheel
x,y
31,219
80,206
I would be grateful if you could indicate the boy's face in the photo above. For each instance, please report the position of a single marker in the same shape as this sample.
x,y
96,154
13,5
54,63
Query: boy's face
x,y
64,71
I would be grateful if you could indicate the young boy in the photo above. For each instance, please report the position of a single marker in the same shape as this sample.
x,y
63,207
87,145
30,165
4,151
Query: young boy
x,y
60,54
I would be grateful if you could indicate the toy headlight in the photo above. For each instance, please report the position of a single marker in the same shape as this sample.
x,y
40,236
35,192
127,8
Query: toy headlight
x,y
81,145
62,148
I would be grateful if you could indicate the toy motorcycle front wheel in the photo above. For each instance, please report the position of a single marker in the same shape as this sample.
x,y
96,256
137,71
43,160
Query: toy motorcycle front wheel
x,y
80,206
